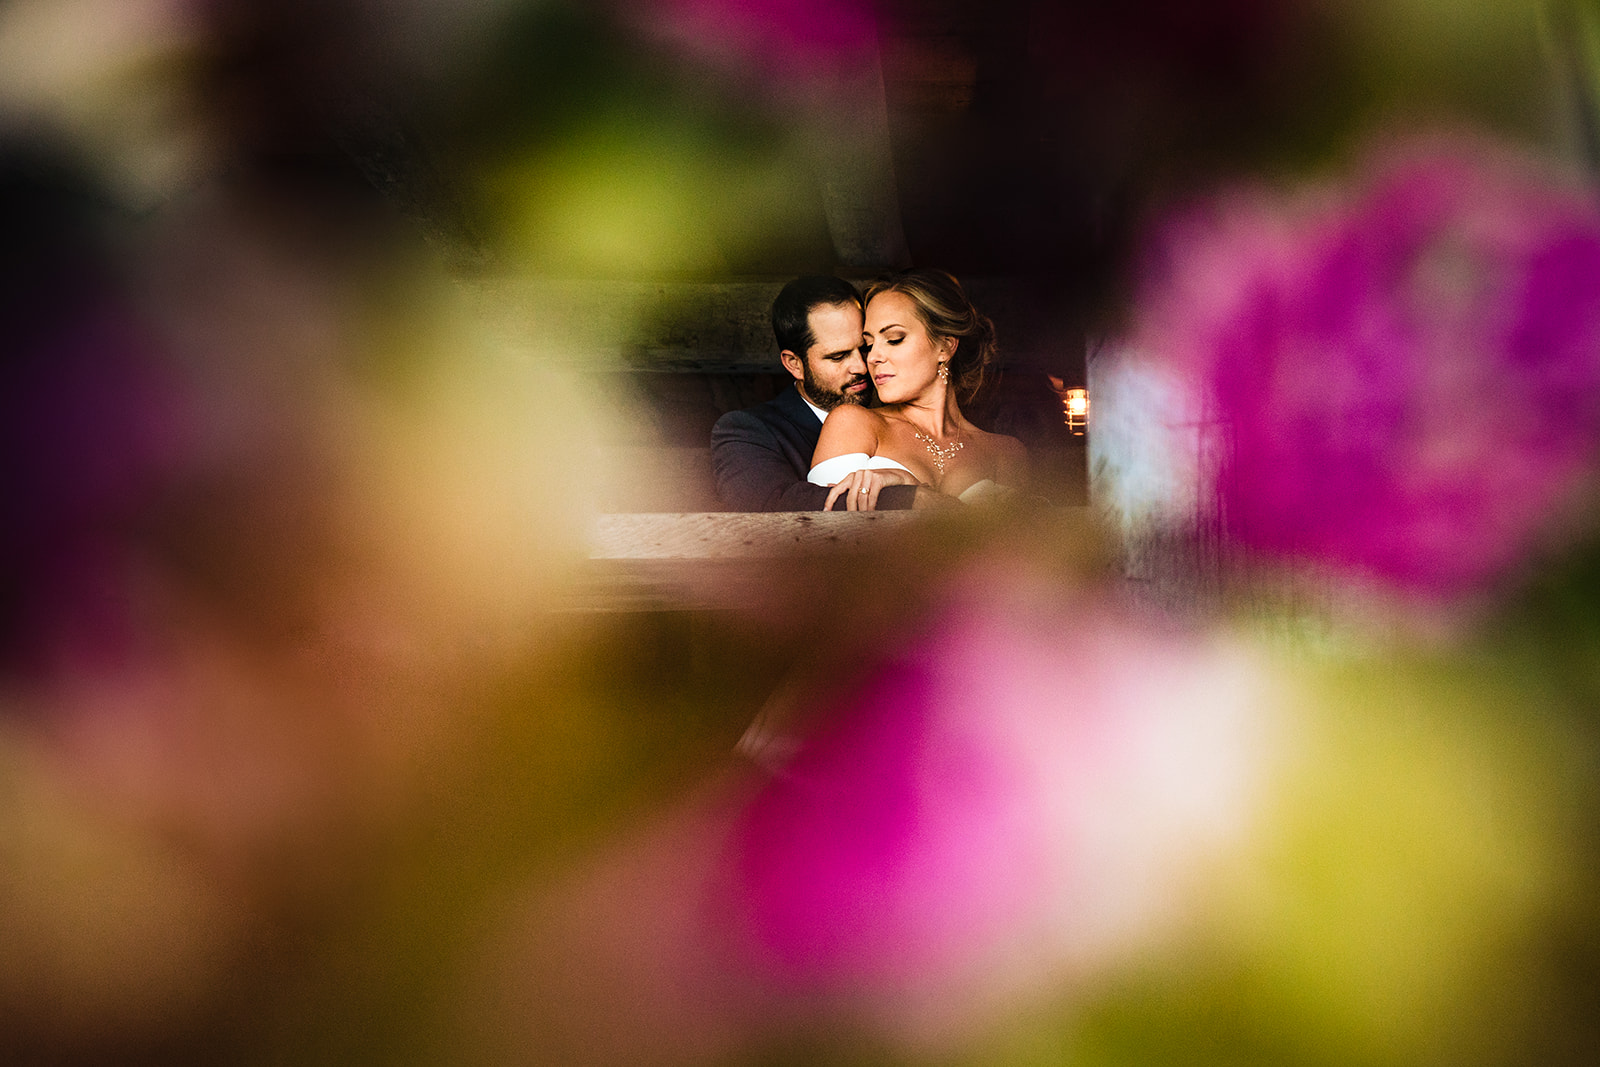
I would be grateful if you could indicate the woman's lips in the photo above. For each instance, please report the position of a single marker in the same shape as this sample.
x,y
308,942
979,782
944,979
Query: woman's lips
x,y
879,379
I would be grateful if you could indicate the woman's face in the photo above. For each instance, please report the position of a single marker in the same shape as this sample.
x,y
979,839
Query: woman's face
x,y
902,356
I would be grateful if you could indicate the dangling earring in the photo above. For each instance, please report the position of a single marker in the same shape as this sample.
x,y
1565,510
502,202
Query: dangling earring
x,y
944,371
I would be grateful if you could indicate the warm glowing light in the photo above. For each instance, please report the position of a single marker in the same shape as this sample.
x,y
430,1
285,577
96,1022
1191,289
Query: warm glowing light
x,y
1075,406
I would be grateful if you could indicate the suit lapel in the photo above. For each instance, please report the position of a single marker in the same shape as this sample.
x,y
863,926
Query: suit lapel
x,y
792,407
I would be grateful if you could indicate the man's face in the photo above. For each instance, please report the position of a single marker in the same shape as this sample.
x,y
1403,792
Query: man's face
x,y
833,371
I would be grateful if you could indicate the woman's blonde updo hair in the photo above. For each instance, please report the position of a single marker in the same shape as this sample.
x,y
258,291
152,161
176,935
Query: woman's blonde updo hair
x,y
945,311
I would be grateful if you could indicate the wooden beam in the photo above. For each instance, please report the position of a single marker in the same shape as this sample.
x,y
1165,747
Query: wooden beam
x,y
671,326
720,561
715,561
720,536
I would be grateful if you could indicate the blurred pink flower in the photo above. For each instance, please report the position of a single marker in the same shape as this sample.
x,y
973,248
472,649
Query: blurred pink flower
x,y
1017,797
1404,373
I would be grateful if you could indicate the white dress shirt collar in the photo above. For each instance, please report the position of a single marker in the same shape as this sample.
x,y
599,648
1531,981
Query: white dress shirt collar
x,y
822,416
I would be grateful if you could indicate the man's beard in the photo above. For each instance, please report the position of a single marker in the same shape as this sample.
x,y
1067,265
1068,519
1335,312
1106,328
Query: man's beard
x,y
827,399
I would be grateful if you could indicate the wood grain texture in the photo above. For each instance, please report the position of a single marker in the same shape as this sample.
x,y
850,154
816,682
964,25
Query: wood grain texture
x,y
724,536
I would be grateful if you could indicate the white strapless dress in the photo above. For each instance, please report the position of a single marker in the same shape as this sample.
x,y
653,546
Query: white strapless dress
x,y
831,471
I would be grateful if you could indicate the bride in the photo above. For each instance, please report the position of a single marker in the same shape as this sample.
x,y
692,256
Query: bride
x,y
926,349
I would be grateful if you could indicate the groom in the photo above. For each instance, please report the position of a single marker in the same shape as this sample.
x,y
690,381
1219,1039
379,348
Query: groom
x,y
761,456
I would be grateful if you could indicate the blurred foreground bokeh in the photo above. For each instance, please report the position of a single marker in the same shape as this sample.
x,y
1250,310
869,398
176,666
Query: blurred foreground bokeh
x,y
326,736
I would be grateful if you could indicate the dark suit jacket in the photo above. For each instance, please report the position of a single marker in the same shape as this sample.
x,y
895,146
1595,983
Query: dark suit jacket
x,y
761,457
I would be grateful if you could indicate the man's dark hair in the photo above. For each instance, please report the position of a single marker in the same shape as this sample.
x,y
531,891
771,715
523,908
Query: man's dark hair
x,y
791,312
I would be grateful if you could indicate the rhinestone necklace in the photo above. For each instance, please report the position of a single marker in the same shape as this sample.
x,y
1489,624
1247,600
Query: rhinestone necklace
x,y
942,454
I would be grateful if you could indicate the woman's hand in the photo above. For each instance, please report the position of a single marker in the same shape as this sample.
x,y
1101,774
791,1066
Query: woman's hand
x,y
861,488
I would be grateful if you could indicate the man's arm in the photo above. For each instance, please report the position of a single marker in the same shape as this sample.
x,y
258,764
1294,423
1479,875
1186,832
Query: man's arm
x,y
752,471
754,474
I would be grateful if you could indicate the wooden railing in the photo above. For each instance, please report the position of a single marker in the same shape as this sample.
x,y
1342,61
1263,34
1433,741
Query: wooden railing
x,y
709,560
713,560
730,536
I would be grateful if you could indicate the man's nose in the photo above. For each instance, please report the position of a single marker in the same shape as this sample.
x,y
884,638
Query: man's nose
x,y
858,362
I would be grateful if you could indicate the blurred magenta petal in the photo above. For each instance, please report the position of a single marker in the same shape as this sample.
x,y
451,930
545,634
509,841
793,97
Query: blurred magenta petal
x,y
1012,800
1405,372
854,855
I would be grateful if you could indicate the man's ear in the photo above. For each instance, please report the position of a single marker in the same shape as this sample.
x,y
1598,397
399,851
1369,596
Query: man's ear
x,y
793,364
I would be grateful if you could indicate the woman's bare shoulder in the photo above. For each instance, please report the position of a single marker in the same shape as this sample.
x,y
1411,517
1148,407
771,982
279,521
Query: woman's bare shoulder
x,y
1004,445
1010,447
1010,456
853,415
848,428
